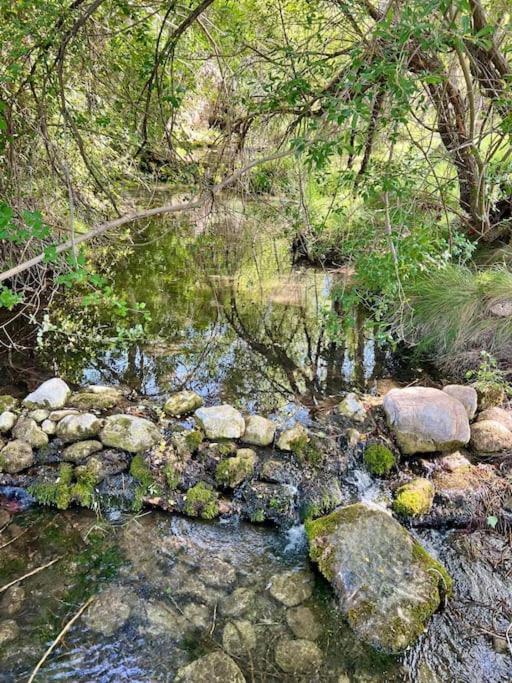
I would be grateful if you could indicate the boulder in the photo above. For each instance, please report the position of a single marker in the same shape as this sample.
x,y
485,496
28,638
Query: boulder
x,y
78,427
290,438
495,414
303,623
238,637
414,498
182,403
237,603
298,656
352,408
426,420
7,421
291,588
52,394
231,472
466,395
216,667
80,451
388,585
90,400
109,611
259,431
489,436
129,433
16,456
28,430
221,422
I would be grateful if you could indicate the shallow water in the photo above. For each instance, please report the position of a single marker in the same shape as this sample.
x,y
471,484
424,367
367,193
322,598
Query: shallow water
x,y
178,578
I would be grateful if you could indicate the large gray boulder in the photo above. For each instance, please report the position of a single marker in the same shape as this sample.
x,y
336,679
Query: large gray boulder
x,y
388,585
51,394
466,395
426,420
78,427
129,433
221,422
16,456
216,667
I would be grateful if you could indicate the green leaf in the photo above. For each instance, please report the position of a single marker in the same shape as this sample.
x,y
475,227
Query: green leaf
x,y
492,521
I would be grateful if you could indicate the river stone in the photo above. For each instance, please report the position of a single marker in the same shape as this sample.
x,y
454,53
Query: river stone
x,y
12,600
88,400
259,431
426,420
290,437
129,433
291,588
217,573
8,403
233,471
303,623
182,403
221,422
78,427
81,450
39,414
298,656
109,611
104,389
58,415
237,603
9,630
238,637
414,498
27,430
387,584
7,421
489,436
454,461
163,618
51,394
16,456
49,427
352,408
466,395
216,667
496,414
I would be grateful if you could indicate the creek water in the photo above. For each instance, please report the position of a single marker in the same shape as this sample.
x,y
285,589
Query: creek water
x,y
234,319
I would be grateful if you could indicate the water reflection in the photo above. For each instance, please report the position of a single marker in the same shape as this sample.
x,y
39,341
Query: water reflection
x,y
232,318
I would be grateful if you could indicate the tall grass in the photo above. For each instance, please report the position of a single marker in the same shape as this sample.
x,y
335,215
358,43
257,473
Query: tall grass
x,y
453,313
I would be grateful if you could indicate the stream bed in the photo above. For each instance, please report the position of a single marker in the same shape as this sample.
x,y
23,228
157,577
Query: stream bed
x,y
233,319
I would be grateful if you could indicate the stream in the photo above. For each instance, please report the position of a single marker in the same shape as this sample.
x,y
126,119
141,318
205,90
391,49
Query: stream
x,y
233,319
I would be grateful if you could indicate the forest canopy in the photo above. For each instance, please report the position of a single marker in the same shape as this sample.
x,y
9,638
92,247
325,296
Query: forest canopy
x,y
387,125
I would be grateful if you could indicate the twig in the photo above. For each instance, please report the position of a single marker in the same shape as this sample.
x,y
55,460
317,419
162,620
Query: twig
x,y
34,571
58,638
13,539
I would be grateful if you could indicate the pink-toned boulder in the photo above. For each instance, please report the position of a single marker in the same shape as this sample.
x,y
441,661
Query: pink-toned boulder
x,y
495,414
466,395
426,420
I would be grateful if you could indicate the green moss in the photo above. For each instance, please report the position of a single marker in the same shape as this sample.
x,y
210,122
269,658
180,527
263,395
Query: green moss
x,y
8,403
232,471
58,493
306,451
434,567
324,506
139,469
83,489
379,460
172,476
201,501
258,516
92,401
414,498
194,439
2,462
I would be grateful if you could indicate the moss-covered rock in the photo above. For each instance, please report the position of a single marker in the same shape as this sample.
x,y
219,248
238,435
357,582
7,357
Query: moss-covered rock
x,y
16,456
129,433
28,430
259,431
78,427
414,498
215,667
388,585
88,400
80,451
231,472
182,403
201,501
51,394
294,438
8,403
379,459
